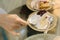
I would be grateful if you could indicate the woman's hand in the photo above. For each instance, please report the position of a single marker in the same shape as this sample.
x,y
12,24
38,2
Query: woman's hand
x,y
11,22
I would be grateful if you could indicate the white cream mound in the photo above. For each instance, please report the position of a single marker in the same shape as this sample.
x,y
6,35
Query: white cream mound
x,y
34,19
57,38
34,4
41,22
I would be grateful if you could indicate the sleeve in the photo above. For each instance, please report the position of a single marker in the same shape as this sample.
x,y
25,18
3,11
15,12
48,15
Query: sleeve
x,y
2,11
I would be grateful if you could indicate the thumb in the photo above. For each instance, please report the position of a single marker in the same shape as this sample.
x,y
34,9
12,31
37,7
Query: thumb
x,y
11,31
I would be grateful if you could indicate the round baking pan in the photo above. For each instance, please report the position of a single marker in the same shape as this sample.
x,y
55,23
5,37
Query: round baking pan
x,y
53,25
41,37
28,4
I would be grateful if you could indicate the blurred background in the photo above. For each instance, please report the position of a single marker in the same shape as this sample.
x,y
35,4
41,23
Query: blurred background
x,y
15,7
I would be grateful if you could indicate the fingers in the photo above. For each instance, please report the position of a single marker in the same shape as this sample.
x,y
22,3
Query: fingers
x,y
21,21
14,33
16,27
18,19
11,31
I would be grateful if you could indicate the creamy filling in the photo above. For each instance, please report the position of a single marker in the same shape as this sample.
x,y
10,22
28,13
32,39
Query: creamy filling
x,y
35,4
36,21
